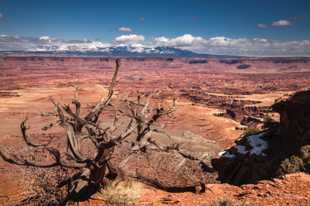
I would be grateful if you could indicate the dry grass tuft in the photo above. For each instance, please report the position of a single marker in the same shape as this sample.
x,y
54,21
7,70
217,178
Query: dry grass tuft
x,y
123,193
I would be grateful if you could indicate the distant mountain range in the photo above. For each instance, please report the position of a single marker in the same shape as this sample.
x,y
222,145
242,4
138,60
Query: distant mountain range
x,y
117,51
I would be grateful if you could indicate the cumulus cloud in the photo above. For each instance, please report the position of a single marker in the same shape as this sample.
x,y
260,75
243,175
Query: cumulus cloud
x,y
131,38
124,29
281,23
161,40
262,26
186,41
45,38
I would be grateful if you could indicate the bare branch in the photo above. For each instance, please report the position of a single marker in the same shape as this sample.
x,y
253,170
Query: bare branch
x,y
73,145
26,138
13,159
59,111
93,115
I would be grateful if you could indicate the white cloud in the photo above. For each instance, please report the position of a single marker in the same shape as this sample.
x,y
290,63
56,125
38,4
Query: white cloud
x,y
186,41
281,23
131,38
82,46
262,26
161,40
124,29
45,38
137,48
219,41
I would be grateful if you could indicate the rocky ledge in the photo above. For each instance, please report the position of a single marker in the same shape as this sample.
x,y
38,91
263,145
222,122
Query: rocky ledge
x,y
278,150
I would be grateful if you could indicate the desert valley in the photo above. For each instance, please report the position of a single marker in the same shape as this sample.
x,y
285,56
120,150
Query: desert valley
x,y
241,118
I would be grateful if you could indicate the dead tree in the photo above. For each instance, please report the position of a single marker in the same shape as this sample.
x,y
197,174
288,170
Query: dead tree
x,y
91,172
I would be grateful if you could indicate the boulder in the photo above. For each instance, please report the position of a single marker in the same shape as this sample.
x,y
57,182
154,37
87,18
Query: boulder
x,y
165,170
185,169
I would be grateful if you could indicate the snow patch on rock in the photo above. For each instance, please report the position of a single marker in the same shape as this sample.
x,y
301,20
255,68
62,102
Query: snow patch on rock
x,y
257,146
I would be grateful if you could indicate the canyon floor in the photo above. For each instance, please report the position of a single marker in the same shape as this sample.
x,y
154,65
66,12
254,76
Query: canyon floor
x,y
202,91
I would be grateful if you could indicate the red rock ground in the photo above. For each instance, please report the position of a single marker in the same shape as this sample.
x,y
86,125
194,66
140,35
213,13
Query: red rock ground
x,y
292,189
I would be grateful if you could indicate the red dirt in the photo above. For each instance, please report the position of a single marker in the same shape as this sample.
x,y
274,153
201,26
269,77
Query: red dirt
x,y
292,189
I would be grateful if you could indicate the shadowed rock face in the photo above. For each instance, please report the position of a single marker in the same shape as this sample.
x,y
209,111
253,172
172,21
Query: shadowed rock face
x,y
286,147
249,161
294,120
295,132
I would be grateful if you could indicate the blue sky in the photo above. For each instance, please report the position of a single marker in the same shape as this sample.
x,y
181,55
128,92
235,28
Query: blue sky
x,y
274,20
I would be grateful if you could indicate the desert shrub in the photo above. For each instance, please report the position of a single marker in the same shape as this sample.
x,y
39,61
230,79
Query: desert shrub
x,y
169,59
43,188
291,165
300,162
243,66
304,154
